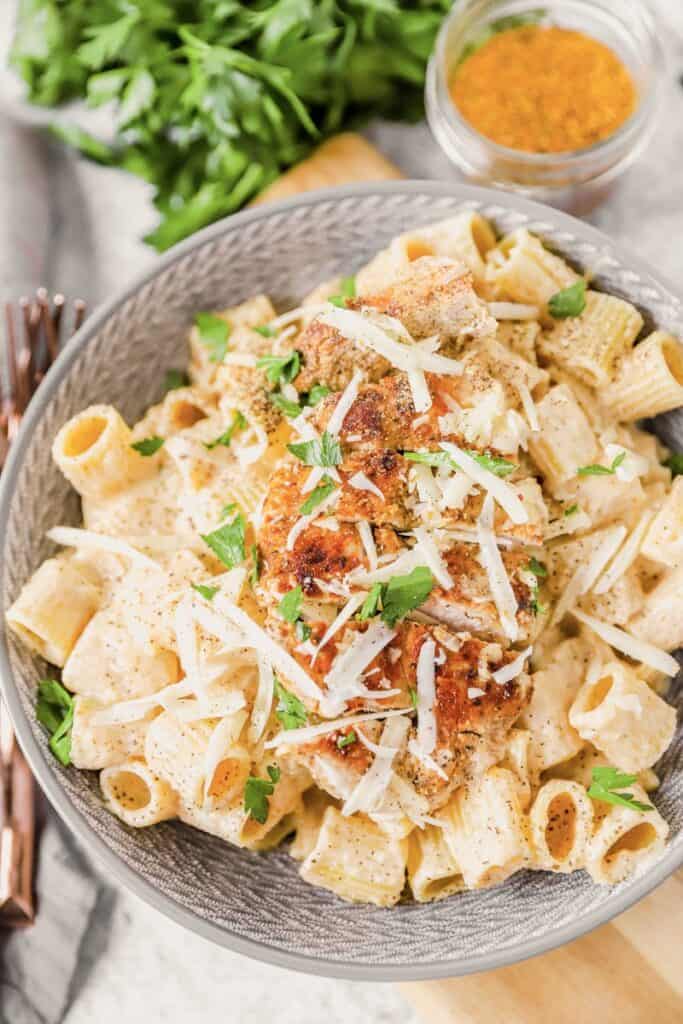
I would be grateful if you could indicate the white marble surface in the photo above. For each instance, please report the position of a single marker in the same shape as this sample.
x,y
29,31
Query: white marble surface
x,y
77,229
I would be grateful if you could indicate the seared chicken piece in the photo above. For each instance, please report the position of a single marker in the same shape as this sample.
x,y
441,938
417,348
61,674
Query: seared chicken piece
x,y
433,296
472,712
468,604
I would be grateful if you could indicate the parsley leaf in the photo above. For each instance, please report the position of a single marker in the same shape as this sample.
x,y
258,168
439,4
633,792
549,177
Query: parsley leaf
x,y
290,605
256,793
325,451
227,542
537,568
370,605
148,446
675,463
570,301
434,459
289,408
290,711
346,739
572,510
347,290
403,593
213,334
302,630
221,97
598,470
265,331
412,693
317,393
206,592
608,784
175,379
238,423
278,368
317,496
55,711
494,464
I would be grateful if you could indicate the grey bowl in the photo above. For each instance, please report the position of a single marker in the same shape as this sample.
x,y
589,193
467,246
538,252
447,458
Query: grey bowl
x,y
256,903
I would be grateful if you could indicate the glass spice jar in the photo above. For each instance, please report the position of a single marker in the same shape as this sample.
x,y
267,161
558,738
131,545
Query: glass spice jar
x,y
576,180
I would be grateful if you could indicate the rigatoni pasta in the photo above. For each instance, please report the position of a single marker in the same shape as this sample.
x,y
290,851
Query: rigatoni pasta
x,y
394,577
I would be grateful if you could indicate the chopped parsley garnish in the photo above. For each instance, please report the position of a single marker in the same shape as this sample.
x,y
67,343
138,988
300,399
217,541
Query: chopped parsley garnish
x,y
265,331
399,596
570,301
285,405
325,451
289,710
675,463
412,693
346,739
302,630
434,459
370,605
608,784
347,290
280,368
55,711
227,542
149,445
317,393
175,379
208,593
537,568
238,423
572,510
257,791
598,470
213,334
403,593
290,605
255,572
317,496
493,463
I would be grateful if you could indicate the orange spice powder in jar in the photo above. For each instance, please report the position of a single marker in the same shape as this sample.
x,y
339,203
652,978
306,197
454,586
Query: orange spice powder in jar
x,y
544,90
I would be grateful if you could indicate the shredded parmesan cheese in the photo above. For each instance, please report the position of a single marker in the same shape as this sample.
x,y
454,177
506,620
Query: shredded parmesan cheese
x,y
71,537
504,494
305,521
586,575
499,583
419,754
529,407
263,701
295,737
361,482
426,697
135,710
254,636
221,743
432,557
627,555
512,669
371,787
344,615
368,542
629,645
349,666
346,400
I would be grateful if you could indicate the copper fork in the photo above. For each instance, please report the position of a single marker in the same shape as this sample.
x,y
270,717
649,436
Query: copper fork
x,y
31,347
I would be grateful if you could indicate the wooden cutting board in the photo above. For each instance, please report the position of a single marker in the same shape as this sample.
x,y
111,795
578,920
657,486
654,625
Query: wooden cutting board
x,y
627,972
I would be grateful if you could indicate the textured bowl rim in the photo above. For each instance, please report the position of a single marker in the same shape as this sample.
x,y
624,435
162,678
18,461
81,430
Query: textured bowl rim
x,y
127,876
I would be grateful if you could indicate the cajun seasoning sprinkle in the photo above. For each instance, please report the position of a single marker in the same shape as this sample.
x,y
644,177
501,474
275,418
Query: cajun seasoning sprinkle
x,y
544,89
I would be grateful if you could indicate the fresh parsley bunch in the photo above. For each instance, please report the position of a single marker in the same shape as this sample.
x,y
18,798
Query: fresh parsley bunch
x,y
215,98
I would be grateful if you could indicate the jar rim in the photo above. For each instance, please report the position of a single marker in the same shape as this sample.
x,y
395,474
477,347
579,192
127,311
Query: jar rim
x,y
635,124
